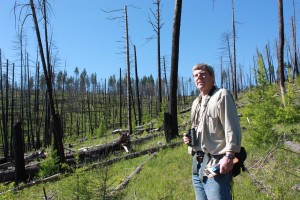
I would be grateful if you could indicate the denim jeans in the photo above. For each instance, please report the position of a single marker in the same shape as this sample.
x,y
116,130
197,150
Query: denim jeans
x,y
216,188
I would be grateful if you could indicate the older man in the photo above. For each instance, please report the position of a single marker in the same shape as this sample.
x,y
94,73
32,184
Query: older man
x,y
217,139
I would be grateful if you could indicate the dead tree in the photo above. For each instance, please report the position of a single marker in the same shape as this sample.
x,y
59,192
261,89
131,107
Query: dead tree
x,y
3,127
120,98
157,25
171,122
166,80
128,72
227,51
20,173
137,89
57,129
234,53
295,57
36,108
12,110
280,72
270,65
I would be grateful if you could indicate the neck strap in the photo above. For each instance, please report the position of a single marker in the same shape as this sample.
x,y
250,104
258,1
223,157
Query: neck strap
x,y
211,92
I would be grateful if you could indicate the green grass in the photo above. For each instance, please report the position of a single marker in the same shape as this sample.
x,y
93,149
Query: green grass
x,y
168,176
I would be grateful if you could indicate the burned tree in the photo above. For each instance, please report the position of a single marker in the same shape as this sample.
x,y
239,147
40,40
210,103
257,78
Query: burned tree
x,y
280,71
171,122
157,25
56,125
20,173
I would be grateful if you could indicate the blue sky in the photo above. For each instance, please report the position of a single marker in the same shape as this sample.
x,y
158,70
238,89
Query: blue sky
x,y
84,37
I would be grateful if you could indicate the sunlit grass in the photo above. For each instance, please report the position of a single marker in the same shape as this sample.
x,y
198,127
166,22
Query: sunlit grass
x,y
166,176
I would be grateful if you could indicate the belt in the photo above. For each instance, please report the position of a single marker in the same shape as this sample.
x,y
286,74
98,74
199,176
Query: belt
x,y
219,157
204,158
200,156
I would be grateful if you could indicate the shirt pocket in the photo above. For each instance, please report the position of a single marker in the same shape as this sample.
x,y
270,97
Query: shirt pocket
x,y
212,124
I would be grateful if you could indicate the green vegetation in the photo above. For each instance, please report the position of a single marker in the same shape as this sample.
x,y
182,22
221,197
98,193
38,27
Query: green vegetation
x,y
50,165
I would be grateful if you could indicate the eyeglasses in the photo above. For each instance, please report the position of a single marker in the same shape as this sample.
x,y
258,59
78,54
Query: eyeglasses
x,y
200,74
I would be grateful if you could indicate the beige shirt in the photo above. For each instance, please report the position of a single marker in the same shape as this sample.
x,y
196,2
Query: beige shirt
x,y
218,127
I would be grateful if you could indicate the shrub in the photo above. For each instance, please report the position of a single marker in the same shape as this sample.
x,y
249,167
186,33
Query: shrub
x,y
50,165
261,113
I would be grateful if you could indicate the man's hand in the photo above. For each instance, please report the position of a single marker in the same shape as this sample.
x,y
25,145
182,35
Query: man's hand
x,y
186,138
226,165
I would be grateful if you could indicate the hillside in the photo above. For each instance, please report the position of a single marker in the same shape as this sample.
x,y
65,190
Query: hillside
x,y
272,165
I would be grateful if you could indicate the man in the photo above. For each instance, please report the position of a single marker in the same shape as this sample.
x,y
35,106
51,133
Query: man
x,y
217,137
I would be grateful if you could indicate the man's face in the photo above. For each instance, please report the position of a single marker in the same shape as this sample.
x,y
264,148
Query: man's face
x,y
203,80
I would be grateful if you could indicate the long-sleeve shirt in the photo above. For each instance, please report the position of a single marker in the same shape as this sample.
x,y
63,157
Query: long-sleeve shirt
x,y
217,123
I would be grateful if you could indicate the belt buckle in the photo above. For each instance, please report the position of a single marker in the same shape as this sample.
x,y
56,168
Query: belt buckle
x,y
200,159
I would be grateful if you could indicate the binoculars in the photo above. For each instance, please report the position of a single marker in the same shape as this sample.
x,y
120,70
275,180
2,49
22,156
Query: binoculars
x,y
192,134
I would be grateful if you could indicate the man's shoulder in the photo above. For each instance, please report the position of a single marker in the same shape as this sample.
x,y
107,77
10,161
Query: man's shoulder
x,y
222,92
195,102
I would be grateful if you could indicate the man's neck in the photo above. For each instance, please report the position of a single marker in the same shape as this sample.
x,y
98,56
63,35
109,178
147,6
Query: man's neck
x,y
206,92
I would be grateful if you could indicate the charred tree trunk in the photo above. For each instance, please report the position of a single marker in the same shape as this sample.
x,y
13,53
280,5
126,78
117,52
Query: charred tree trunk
x,y
89,113
20,173
12,112
30,127
171,128
137,89
166,80
47,134
57,127
82,116
128,73
26,116
295,57
57,140
234,52
229,73
120,98
133,107
6,114
280,51
36,107
157,27
158,55
2,107
105,109
270,64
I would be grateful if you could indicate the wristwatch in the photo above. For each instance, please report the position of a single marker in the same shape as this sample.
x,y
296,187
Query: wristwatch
x,y
230,156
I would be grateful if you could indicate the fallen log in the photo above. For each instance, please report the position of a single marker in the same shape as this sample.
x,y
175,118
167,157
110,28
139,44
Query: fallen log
x,y
102,150
6,165
83,154
88,153
131,175
28,158
106,149
9,175
185,110
293,146
134,155
33,170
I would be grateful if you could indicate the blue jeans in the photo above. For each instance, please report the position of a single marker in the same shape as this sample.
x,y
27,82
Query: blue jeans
x,y
216,188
